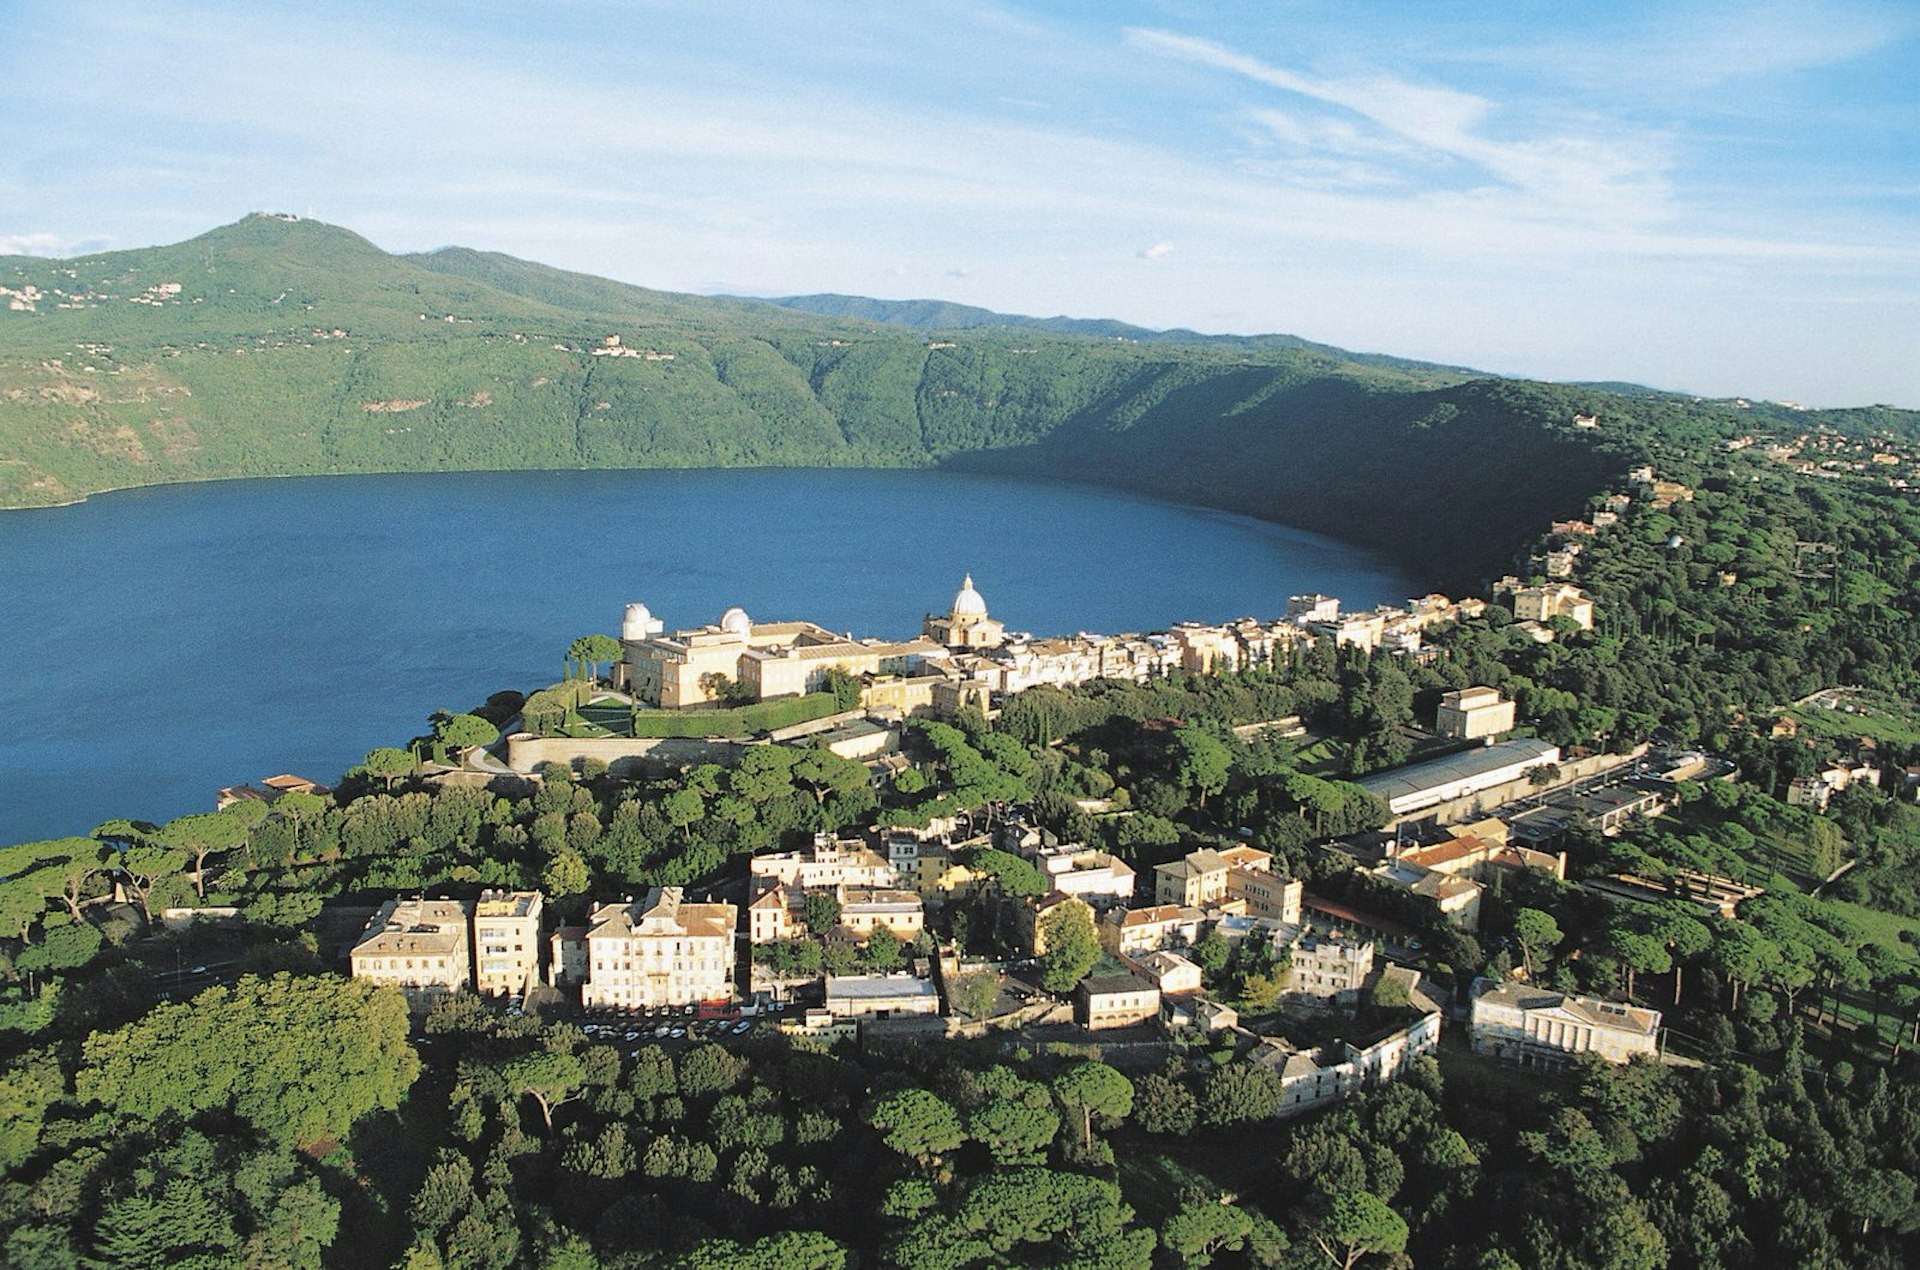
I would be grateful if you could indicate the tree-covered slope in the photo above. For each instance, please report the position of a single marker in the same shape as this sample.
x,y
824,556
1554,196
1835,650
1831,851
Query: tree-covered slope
x,y
275,346
944,315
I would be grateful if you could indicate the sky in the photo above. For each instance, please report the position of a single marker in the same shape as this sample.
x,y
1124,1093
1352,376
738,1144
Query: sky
x,y
1717,198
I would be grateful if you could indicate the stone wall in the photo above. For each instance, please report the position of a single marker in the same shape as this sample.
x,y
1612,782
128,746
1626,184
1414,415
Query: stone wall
x,y
527,753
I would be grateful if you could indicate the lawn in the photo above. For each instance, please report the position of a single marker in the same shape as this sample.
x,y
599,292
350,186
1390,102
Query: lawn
x,y
1861,712
1881,927
764,716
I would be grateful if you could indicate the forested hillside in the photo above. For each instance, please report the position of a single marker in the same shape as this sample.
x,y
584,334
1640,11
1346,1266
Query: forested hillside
x,y
281,347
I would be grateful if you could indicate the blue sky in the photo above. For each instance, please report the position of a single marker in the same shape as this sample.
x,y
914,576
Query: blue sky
x,y
1722,198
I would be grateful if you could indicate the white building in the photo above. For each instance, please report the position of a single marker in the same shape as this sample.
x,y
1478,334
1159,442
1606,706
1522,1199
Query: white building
x,y
1472,713
1421,785
825,865
419,946
506,941
1536,1028
1326,967
659,951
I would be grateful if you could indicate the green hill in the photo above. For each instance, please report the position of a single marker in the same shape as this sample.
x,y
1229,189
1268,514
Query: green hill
x,y
284,347
942,315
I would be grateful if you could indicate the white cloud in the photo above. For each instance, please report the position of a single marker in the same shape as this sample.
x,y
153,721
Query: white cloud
x,y
48,245
1593,178
1159,251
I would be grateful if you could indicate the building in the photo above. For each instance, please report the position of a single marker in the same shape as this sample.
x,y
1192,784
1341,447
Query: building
x,y
269,791
865,909
1030,917
965,625
826,864
1101,879
1305,609
1353,630
419,946
1316,1078
774,911
880,996
1110,1001
1173,974
567,956
1818,790
1418,786
1536,1028
1479,854
1457,897
1472,713
764,659
1239,878
1134,931
1544,603
506,942
662,950
1326,967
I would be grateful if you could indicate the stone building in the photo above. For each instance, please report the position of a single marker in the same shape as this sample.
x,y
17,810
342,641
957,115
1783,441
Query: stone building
x,y
966,624
506,941
419,946
1537,1028
662,950
1471,713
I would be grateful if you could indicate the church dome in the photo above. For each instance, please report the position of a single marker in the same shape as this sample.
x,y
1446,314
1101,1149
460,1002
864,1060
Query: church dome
x,y
736,621
969,602
638,623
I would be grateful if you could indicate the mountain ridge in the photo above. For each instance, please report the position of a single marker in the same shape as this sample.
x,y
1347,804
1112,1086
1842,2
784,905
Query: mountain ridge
x,y
277,346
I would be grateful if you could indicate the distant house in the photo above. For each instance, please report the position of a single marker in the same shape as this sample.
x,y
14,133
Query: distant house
x,y
269,791
1544,603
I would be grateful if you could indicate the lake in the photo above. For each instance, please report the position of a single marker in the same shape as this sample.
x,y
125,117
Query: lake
x,y
157,644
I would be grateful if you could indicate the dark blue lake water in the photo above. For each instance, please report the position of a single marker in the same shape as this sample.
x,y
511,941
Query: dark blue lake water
x,y
157,644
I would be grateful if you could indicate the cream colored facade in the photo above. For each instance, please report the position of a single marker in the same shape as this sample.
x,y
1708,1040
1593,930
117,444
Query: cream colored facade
x,y
1233,876
506,941
788,670
421,947
965,625
777,911
826,864
1536,1028
1173,974
1544,603
1115,1001
1135,931
1472,713
1325,967
766,659
865,909
774,912
1097,877
662,950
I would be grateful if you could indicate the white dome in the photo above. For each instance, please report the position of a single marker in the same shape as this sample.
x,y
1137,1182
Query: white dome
x,y
969,602
638,622
736,620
